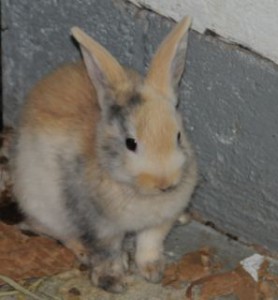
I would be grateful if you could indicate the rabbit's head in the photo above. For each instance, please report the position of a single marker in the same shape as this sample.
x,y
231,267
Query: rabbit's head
x,y
140,139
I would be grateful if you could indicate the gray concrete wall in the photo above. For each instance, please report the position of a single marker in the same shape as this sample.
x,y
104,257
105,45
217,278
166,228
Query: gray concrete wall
x,y
229,98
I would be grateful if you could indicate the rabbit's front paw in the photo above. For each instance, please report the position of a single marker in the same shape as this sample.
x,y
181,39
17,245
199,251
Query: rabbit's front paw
x,y
109,276
152,270
109,282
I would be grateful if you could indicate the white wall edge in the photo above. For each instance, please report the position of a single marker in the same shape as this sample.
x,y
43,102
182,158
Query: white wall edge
x,y
251,23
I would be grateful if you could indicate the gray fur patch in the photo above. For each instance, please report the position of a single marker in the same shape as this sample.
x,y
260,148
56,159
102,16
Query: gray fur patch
x,y
86,214
118,114
80,204
134,101
110,151
115,112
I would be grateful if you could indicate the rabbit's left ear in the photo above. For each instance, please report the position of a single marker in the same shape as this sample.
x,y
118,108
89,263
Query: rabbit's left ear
x,y
168,63
103,69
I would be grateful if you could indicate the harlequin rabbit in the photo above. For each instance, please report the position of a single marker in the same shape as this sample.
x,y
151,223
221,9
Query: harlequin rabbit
x,y
101,152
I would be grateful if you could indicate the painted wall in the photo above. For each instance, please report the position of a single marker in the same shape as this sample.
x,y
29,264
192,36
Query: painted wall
x,y
252,23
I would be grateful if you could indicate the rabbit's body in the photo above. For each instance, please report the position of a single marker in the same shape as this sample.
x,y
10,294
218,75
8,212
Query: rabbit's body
x,y
78,182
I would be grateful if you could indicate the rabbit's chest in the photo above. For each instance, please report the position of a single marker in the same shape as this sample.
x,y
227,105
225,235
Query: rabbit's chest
x,y
137,213
126,209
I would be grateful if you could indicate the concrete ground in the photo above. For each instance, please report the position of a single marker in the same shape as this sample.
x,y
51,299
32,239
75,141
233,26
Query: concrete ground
x,y
183,239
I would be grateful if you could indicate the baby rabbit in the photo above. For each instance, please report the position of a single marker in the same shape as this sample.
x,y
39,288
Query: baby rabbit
x,y
101,152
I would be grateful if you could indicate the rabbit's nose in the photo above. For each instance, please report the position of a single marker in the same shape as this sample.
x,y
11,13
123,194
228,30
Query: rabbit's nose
x,y
168,188
158,183
166,185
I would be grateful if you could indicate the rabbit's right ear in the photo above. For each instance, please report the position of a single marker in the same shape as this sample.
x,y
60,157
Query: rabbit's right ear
x,y
168,63
103,69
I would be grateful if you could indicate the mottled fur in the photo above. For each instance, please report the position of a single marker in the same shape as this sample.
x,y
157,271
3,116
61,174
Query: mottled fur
x,y
76,180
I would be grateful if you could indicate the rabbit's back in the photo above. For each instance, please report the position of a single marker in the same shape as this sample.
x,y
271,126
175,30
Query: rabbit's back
x,y
64,101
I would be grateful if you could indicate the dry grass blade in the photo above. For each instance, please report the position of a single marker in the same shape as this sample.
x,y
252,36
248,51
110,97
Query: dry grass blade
x,y
19,288
27,292
8,293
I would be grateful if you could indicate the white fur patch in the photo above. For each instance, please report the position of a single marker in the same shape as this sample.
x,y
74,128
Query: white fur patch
x,y
37,181
149,246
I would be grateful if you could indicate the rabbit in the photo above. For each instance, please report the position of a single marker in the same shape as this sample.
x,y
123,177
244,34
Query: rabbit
x,y
101,152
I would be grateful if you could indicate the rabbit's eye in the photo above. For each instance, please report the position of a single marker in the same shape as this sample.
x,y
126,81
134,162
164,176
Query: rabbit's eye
x,y
179,137
131,144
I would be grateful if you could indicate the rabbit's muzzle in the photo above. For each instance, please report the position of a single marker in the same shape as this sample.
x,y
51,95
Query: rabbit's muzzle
x,y
149,183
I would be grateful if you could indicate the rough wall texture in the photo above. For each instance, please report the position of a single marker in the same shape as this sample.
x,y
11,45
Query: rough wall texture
x,y
229,98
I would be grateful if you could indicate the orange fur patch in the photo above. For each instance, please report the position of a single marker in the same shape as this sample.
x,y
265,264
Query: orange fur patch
x,y
155,124
59,100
